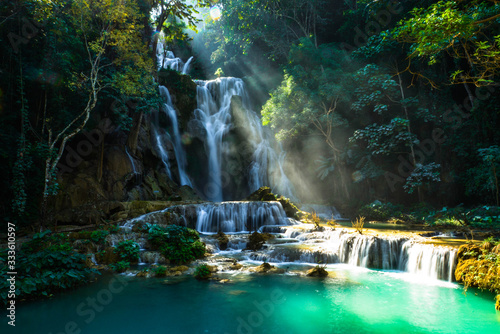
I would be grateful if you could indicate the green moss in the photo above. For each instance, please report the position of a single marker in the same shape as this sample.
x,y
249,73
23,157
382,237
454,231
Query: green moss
x,y
479,267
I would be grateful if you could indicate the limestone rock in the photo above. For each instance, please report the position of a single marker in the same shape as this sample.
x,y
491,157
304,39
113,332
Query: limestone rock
x,y
267,268
317,272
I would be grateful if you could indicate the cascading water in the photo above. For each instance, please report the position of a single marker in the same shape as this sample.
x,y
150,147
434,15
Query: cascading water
x,y
229,217
161,149
134,169
180,154
376,252
166,59
239,216
214,116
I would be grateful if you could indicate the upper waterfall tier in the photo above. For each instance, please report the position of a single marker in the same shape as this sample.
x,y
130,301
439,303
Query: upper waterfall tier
x,y
239,216
229,217
251,152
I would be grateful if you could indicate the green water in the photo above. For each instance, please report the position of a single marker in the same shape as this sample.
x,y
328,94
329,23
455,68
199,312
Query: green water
x,y
356,301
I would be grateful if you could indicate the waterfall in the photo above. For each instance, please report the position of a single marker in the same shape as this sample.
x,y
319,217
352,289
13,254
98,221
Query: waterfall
x,y
134,169
180,154
301,243
166,59
375,252
213,114
428,260
185,68
162,150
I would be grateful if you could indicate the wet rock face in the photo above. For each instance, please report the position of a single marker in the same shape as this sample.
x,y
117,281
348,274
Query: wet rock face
x,y
183,93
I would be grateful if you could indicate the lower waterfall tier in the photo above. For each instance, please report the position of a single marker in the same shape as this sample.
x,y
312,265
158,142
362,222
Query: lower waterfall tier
x,y
302,243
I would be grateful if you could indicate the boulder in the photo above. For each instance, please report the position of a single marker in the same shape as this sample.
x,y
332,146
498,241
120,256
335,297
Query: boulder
x,y
317,272
266,268
222,239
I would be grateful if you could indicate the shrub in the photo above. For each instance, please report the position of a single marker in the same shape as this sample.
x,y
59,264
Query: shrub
x,y
202,272
178,244
99,236
478,267
128,250
358,224
159,271
316,221
46,264
120,266
381,211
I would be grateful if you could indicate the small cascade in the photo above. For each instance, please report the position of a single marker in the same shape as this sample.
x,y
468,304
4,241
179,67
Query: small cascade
x,y
162,150
428,260
185,68
180,154
134,169
214,116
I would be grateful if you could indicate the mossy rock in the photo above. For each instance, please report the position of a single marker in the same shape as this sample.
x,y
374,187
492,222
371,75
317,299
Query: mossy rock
x,y
179,268
259,194
468,251
265,194
256,240
317,272
235,266
142,273
266,268
291,209
268,197
222,239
